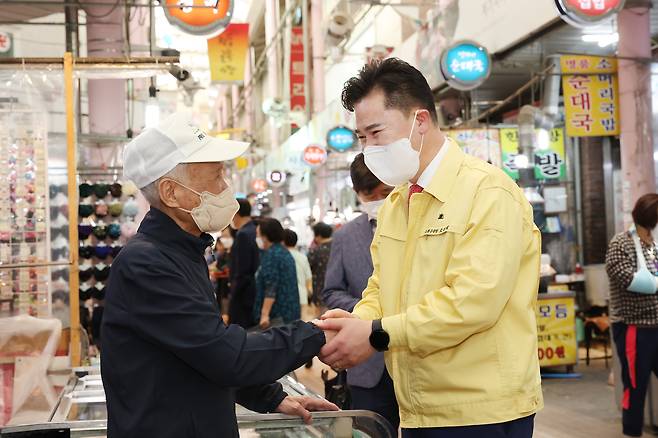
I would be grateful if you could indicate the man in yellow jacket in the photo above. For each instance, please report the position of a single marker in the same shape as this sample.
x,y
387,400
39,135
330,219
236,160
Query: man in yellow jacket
x,y
456,262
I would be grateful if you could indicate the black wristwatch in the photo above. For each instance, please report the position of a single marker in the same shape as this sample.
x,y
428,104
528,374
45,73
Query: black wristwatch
x,y
379,339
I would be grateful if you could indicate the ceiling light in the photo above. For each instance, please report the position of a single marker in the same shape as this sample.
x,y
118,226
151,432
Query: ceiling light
x,y
603,39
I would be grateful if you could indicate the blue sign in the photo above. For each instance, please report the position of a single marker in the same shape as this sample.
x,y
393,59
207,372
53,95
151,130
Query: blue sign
x,y
341,139
465,65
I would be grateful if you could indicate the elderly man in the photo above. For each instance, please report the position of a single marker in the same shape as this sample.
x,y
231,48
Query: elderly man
x,y
170,366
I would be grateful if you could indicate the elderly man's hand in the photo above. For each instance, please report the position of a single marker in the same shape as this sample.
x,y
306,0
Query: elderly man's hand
x,y
351,346
302,406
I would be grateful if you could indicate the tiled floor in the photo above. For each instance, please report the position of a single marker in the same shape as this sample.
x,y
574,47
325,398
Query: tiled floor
x,y
574,408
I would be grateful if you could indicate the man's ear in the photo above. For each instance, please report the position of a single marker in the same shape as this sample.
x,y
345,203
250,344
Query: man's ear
x,y
425,121
167,190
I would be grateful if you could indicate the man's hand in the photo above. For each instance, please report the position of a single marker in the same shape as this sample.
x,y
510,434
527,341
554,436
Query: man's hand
x,y
264,322
336,313
301,406
351,346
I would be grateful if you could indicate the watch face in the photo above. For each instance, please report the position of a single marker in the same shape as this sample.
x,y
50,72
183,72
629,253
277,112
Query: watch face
x,y
379,339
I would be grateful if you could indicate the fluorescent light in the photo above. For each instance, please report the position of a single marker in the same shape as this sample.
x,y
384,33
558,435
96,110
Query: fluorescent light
x,y
603,39
543,139
521,161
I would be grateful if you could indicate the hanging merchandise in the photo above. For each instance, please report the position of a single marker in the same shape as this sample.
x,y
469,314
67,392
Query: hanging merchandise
x,y
24,209
591,96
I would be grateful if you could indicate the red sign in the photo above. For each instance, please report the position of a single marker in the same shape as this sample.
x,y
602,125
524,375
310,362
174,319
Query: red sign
x,y
594,8
259,185
199,17
315,155
297,92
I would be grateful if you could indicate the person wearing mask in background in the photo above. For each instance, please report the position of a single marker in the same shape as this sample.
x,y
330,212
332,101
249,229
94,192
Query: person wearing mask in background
x,y
244,264
350,266
318,258
456,260
277,296
170,367
304,275
632,266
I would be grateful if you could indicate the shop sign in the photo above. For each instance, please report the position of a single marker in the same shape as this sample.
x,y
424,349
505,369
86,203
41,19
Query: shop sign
x,y
556,331
227,54
549,163
6,45
314,155
341,139
591,96
465,65
481,143
588,12
259,185
241,163
276,178
206,18
297,91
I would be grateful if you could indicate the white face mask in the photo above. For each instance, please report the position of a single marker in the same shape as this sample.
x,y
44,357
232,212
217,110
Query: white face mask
x,y
227,242
396,163
215,212
260,243
372,208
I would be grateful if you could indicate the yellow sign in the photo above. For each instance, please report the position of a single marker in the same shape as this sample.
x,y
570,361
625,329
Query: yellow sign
x,y
591,96
556,331
227,54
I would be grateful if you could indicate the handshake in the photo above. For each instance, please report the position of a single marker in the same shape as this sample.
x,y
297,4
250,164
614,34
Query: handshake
x,y
348,339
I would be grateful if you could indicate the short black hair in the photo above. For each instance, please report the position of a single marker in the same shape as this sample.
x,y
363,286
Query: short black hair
x,y
645,212
245,208
290,238
272,229
404,87
322,230
363,180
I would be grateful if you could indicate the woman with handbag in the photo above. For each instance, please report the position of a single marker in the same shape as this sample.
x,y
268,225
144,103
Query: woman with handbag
x,y
632,266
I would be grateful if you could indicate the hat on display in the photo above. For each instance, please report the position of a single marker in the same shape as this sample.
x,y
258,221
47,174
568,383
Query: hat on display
x,y
128,229
98,291
131,208
100,231
101,189
116,249
175,140
116,208
114,230
101,272
85,190
129,188
85,210
116,190
85,292
84,231
85,272
102,251
86,251
101,209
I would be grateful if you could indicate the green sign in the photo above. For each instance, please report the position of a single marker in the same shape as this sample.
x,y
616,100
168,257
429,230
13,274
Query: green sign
x,y
549,163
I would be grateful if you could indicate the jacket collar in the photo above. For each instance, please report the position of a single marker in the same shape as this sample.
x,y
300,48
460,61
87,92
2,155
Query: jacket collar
x,y
442,181
163,229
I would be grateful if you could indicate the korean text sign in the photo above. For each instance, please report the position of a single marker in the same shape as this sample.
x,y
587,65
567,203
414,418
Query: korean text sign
x,y
591,96
227,54
556,331
549,163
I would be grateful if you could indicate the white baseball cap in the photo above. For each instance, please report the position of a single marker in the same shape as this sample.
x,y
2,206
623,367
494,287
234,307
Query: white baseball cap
x,y
175,140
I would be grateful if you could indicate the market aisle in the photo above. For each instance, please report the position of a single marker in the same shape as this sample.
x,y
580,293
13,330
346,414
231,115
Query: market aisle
x,y
582,408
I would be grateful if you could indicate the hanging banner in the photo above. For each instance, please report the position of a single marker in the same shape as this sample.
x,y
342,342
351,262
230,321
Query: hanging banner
x,y
591,96
297,92
481,143
556,330
199,17
549,163
227,54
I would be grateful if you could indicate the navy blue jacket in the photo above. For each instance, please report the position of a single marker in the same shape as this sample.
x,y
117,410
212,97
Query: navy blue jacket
x,y
170,366
244,264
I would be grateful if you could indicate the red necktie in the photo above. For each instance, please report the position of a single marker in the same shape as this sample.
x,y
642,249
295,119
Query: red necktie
x,y
413,189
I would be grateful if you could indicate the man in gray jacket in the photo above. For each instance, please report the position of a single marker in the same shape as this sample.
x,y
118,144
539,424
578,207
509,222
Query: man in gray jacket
x,y
350,266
